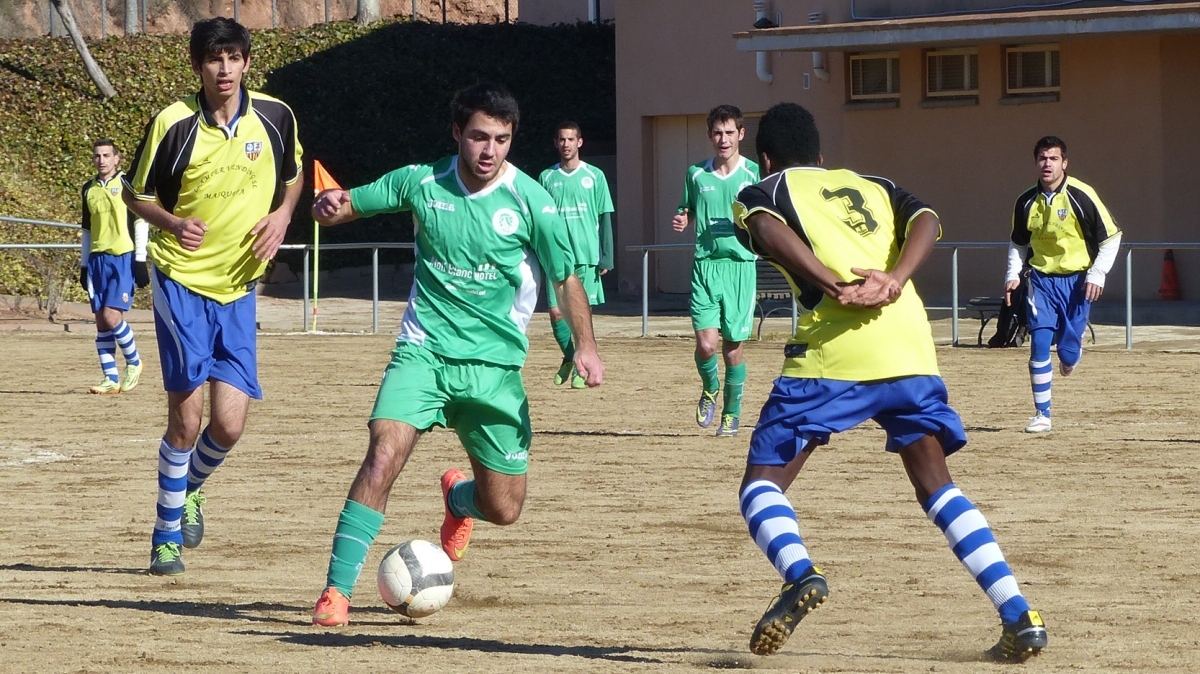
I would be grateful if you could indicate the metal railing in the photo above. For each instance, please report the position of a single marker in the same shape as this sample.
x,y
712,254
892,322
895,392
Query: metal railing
x,y
375,248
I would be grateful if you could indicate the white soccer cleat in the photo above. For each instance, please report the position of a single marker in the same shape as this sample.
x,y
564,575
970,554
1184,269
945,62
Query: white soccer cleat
x,y
1064,369
1040,423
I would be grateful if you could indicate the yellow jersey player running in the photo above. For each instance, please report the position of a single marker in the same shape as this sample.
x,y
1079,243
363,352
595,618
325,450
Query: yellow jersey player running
x,y
723,279
111,262
863,349
580,191
218,175
483,230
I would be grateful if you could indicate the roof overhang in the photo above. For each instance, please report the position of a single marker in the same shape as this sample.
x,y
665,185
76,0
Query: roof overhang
x,y
973,29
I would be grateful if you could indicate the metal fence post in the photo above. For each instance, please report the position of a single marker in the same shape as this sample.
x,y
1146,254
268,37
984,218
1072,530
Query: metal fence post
x,y
645,292
306,290
103,19
1129,298
374,290
326,11
795,315
236,13
954,297
274,14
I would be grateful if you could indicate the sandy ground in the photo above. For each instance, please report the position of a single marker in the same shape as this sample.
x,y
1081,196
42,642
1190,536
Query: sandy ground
x,y
631,555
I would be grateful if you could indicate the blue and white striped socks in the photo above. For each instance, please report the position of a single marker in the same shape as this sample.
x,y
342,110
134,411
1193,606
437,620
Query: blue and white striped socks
x,y
1040,372
972,542
205,459
106,347
172,481
773,526
124,337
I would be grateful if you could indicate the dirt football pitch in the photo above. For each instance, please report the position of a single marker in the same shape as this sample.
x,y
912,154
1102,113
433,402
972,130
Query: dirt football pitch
x,y
631,555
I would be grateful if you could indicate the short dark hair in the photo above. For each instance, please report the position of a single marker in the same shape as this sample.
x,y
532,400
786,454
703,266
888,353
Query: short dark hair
x,y
212,37
1049,142
568,124
492,100
788,134
101,142
724,113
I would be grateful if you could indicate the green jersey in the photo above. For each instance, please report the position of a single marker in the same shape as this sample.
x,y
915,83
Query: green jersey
x,y
582,197
709,198
477,257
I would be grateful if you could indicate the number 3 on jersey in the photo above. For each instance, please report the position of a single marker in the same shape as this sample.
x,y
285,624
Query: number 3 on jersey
x,y
858,216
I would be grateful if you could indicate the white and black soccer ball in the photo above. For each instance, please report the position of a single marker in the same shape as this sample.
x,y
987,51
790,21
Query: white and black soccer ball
x,y
416,578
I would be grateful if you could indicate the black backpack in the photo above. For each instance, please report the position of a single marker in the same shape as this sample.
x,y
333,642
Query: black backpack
x,y
1011,325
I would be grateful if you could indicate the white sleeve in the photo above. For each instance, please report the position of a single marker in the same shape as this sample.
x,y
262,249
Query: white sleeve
x,y
1104,260
141,234
86,249
1016,260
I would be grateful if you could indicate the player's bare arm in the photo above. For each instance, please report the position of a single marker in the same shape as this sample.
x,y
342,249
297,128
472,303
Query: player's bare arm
x,y
189,231
680,221
573,301
776,240
333,207
879,288
271,229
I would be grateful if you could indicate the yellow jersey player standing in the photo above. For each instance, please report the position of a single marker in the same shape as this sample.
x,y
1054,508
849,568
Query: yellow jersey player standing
x,y
111,262
1075,242
218,176
863,349
723,278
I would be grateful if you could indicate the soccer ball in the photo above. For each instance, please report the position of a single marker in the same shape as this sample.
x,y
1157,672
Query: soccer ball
x,y
416,578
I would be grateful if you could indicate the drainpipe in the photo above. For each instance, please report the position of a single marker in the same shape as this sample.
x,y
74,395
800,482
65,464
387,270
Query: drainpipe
x,y
762,67
819,68
593,11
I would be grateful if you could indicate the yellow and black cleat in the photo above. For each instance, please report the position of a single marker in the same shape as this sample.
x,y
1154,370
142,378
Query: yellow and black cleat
x,y
1021,640
795,601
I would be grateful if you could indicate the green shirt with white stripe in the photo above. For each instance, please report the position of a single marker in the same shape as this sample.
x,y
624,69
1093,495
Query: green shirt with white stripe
x,y
709,198
477,257
582,197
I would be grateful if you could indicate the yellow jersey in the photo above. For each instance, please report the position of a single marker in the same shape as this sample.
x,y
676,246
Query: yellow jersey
x,y
1065,228
848,221
229,177
106,216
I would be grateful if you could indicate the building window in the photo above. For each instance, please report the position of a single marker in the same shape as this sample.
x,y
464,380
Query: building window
x,y
953,72
875,76
1032,69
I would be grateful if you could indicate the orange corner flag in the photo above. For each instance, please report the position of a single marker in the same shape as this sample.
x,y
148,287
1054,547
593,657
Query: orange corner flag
x,y
322,180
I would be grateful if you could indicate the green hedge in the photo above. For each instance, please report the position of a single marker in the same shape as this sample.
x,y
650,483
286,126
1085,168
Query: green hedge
x,y
367,100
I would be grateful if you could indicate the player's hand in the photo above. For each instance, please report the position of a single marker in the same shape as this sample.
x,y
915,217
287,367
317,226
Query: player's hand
x,y
83,278
680,221
589,366
603,271
141,275
1092,292
329,204
1009,287
270,232
190,233
876,290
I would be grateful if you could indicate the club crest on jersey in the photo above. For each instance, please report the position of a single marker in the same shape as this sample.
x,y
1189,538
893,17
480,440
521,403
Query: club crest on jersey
x,y
587,183
1062,214
505,222
253,149
114,190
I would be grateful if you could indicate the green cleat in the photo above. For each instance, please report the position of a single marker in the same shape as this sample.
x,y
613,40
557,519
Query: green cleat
x,y
564,373
795,601
578,381
166,560
1020,640
192,526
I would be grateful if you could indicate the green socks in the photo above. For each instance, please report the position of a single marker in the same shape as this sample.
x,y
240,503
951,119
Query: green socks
x,y
735,380
357,528
708,373
562,335
462,501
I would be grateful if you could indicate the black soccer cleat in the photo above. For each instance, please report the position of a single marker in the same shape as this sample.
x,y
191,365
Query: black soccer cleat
x,y
192,524
795,601
166,560
1020,640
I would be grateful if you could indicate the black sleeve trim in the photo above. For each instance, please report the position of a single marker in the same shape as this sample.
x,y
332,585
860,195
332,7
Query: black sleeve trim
x,y
905,206
86,222
1090,220
1021,235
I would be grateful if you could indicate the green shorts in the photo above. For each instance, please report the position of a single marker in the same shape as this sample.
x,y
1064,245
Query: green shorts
x,y
589,276
484,403
723,297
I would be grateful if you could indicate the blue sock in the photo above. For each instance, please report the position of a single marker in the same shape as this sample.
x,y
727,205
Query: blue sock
x,y
172,481
205,459
124,336
1040,372
106,347
972,542
773,526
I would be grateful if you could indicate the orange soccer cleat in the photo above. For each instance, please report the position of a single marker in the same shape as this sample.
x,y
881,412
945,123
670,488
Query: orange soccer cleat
x,y
456,531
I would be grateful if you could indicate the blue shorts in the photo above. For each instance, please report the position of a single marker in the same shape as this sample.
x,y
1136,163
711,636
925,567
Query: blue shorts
x,y
110,281
201,339
802,410
1058,303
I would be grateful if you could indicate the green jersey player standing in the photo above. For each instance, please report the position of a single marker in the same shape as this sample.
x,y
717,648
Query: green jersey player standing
x,y
580,191
723,280
483,228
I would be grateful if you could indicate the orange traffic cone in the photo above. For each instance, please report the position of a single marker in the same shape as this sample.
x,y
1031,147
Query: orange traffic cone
x,y
1169,288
